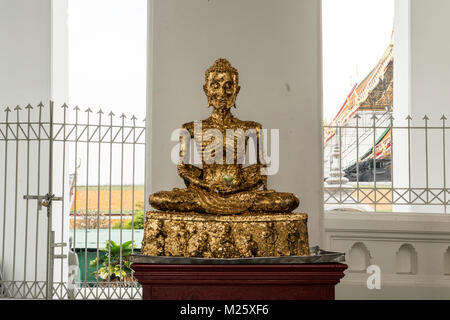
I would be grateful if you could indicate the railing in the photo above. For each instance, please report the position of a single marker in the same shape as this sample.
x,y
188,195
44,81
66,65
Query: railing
x,y
402,168
120,201
95,163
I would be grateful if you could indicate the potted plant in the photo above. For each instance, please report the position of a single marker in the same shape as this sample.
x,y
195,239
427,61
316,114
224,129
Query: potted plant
x,y
111,268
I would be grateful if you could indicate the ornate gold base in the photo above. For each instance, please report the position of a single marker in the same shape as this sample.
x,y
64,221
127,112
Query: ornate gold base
x,y
229,236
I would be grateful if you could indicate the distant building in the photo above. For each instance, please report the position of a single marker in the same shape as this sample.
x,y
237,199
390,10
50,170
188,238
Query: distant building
x,y
369,105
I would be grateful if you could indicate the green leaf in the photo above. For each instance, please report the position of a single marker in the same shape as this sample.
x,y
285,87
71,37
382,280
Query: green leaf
x,y
127,244
93,263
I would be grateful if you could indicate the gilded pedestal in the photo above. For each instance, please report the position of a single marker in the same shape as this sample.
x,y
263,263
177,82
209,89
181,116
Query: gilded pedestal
x,y
225,236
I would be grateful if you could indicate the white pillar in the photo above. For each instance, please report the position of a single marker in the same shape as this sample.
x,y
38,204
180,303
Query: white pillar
x,y
402,97
33,68
276,46
60,95
422,79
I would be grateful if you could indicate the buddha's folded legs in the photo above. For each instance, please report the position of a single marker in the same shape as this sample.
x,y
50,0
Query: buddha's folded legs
x,y
270,201
175,200
187,200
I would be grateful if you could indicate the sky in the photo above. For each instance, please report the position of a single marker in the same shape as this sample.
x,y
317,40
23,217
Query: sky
x,y
355,34
107,70
107,55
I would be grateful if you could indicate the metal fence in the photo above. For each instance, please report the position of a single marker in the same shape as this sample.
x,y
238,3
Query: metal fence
x,y
72,203
386,164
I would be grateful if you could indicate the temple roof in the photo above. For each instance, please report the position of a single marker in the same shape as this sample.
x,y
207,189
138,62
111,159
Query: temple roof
x,y
374,92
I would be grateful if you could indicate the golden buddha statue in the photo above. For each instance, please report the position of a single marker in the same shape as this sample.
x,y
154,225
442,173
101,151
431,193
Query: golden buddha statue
x,y
221,187
226,210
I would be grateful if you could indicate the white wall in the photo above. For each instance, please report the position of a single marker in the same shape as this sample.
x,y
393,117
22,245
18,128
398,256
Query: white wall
x,y
60,95
276,46
382,235
430,65
33,68
402,95
430,78
25,55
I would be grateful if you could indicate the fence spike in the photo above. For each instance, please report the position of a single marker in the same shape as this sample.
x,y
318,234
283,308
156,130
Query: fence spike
x,y
134,117
76,108
123,116
88,110
111,114
28,106
357,116
64,106
100,111
443,117
7,109
374,117
408,117
425,118
40,105
17,108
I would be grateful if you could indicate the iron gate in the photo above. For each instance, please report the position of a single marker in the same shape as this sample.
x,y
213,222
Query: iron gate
x,y
72,191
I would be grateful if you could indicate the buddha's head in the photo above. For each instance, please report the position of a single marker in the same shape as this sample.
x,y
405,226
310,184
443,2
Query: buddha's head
x,y
221,85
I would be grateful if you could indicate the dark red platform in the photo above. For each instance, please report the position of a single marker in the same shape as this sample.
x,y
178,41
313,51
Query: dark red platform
x,y
239,281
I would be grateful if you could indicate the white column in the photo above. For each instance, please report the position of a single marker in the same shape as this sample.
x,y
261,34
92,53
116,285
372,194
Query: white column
x,y
422,79
33,68
60,95
402,97
276,46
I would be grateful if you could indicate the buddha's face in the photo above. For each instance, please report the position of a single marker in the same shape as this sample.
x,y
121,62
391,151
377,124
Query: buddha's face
x,y
221,89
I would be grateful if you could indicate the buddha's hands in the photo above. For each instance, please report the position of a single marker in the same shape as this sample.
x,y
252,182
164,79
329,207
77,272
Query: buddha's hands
x,y
198,183
223,188
192,176
252,180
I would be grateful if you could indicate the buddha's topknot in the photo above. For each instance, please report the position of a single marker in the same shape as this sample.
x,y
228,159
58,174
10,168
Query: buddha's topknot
x,y
221,65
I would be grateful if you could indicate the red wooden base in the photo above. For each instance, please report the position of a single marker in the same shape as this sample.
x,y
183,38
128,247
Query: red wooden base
x,y
238,281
